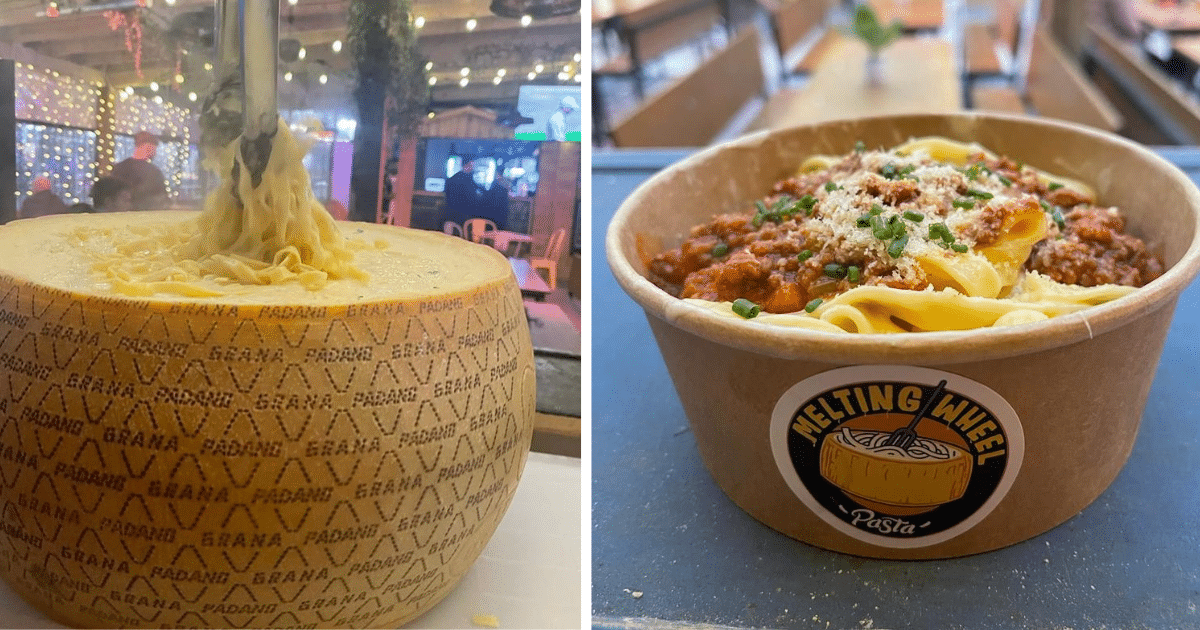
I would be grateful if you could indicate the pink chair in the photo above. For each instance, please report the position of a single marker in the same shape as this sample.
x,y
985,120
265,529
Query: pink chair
x,y
549,259
475,230
452,228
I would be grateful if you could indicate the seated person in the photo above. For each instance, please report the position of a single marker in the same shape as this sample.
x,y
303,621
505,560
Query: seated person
x,y
110,194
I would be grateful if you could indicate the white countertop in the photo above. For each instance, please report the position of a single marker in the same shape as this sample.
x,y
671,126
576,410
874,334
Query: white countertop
x,y
528,575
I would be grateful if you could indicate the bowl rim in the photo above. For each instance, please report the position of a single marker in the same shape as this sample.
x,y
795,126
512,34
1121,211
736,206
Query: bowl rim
x,y
926,348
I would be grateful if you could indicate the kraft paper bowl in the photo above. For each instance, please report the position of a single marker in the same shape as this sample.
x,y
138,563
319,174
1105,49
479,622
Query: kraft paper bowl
x,y
182,464
1067,393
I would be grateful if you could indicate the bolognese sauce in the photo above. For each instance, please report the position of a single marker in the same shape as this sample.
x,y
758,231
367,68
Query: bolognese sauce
x,y
859,221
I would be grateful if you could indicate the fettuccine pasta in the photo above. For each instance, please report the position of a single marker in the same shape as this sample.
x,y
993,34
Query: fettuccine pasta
x,y
930,235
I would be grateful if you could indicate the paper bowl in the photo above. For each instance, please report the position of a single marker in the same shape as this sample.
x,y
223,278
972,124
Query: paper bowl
x,y
1046,414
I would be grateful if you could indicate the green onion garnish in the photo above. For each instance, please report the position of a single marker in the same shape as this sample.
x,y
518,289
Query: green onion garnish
x,y
972,172
746,308
1059,219
979,194
959,247
880,229
804,255
807,203
876,209
757,221
852,273
1046,206
863,221
835,271
916,217
812,306
720,250
830,187
965,204
860,146
1054,186
1004,180
939,230
897,246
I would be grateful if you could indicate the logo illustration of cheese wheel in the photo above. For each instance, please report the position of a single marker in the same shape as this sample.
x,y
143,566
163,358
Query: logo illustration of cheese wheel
x,y
926,474
274,458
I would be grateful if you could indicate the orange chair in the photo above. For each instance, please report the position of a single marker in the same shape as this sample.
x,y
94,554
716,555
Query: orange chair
x,y
475,230
549,259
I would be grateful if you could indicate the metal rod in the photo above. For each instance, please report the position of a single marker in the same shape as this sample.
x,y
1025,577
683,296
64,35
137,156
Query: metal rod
x,y
260,60
229,40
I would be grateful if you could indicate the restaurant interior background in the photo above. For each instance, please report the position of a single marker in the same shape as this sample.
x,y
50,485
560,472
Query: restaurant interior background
x,y
1125,66
88,75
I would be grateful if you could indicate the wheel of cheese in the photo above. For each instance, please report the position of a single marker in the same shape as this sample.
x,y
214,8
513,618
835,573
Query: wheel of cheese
x,y
274,457
892,477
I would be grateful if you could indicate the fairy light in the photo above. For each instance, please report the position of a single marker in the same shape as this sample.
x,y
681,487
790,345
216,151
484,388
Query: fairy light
x,y
463,82
287,76
324,78
428,66
501,72
531,76
419,22
336,46
471,24
464,72
302,53
539,68
432,80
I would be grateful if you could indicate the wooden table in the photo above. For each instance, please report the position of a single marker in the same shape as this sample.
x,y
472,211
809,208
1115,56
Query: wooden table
x,y
915,15
1183,17
919,76
531,283
1188,46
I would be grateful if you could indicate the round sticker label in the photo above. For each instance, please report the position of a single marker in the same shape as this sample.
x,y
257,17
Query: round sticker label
x,y
897,456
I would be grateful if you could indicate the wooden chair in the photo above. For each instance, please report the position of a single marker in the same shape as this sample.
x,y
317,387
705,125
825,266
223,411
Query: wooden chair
x,y
696,108
549,259
655,30
795,23
475,230
452,228
1167,104
1057,87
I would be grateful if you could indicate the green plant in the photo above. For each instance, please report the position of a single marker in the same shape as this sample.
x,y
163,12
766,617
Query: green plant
x,y
871,31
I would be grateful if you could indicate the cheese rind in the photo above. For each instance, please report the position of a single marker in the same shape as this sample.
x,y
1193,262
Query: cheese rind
x,y
268,462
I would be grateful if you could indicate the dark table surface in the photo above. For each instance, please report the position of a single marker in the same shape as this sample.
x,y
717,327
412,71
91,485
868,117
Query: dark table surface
x,y
669,549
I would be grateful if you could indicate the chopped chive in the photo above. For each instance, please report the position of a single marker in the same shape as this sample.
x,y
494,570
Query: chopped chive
x,y
881,230
916,217
757,221
852,273
720,250
1059,219
979,194
972,172
876,209
760,207
965,204
1004,180
860,146
746,308
897,246
897,226
1054,186
779,204
807,203
804,255
863,221
1045,206
959,247
835,271
830,187
812,306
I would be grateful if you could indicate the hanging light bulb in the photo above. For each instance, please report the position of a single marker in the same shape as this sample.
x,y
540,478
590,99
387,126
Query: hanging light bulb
x,y
302,53
472,23
501,72
526,20
463,82
154,86
464,72
324,78
532,75
192,97
496,80
287,76
419,22
336,45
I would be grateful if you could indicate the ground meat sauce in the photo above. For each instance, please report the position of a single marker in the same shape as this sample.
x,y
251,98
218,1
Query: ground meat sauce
x,y
821,233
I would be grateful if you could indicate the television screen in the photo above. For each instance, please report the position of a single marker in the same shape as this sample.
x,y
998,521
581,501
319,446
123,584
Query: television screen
x,y
515,160
554,110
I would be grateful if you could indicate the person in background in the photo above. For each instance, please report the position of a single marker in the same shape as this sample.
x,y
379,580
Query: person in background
x,y
494,203
42,202
336,210
146,183
556,125
110,194
463,196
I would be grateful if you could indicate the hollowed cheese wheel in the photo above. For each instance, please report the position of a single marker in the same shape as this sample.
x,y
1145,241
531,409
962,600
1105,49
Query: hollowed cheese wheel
x,y
893,480
277,458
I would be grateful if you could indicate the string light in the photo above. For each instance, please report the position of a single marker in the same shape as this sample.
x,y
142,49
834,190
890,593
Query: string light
x,y
336,46
432,80
324,78
287,76
531,76
526,20
428,66
179,79
419,22
539,68
576,58
501,72
192,97
464,72
472,23
463,82
154,85
303,52
496,80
